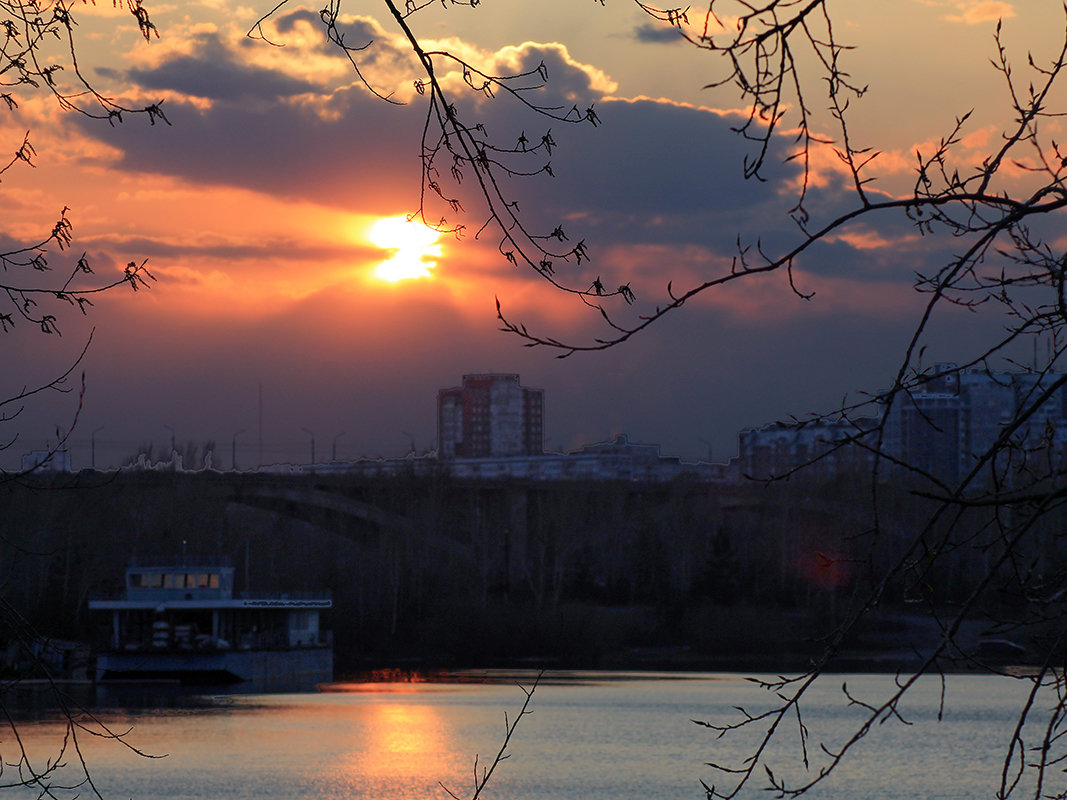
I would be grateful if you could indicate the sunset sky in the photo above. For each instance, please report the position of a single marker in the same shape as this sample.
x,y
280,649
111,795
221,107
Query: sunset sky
x,y
259,210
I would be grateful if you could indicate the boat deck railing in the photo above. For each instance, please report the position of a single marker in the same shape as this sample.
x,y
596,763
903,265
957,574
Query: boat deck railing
x,y
175,642
179,561
180,594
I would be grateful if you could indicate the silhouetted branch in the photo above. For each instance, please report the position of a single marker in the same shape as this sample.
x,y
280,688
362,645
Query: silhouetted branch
x,y
1000,510
483,774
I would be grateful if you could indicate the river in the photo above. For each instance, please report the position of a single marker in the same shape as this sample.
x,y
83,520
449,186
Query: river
x,y
590,737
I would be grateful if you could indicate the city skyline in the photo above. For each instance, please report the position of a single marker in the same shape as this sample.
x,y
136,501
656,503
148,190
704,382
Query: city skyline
x,y
244,448
942,427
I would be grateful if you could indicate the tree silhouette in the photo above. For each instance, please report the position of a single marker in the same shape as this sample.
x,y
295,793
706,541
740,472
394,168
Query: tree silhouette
x,y
1004,510
38,57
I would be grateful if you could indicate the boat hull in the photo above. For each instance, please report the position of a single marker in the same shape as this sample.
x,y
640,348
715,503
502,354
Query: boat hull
x,y
296,666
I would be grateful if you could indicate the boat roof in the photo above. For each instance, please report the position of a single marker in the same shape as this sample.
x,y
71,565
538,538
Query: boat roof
x,y
269,602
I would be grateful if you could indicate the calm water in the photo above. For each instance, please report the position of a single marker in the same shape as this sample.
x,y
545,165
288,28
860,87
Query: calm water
x,y
594,739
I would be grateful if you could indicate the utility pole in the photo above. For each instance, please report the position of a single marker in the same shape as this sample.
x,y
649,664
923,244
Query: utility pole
x,y
233,450
260,424
309,433
92,446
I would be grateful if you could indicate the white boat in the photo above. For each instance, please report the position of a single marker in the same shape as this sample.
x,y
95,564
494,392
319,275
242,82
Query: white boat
x,y
183,621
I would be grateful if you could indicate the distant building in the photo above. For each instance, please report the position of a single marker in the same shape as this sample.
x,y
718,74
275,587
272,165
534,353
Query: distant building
x,y
490,416
943,427
823,448
923,428
618,460
46,461
946,425
611,461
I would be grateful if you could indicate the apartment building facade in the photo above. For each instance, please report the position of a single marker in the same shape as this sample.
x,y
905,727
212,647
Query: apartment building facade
x,y
490,415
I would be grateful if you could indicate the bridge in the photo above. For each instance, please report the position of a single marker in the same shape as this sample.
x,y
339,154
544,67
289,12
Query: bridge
x,y
323,508
516,529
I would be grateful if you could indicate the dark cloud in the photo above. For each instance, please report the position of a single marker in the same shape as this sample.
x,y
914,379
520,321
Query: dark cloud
x,y
215,74
653,171
653,174
566,85
256,253
655,34
658,157
281,149
358,33
647,155
286,23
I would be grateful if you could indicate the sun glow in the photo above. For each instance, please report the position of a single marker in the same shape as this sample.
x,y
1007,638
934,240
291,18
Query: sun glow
x,y
413,245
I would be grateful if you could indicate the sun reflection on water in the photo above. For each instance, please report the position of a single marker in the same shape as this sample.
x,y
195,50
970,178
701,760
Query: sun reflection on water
x,y
406,746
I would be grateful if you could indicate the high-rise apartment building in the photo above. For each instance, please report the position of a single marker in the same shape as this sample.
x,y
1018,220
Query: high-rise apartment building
x,y
820,447
490,416
924,428
946,426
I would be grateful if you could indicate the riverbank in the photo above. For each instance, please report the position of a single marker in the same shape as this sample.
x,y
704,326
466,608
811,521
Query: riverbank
x,y
756,640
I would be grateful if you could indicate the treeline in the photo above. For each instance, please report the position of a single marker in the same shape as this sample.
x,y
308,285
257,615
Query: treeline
x,y
475,574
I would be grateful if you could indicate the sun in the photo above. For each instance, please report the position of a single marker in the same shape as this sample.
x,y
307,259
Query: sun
x,y
414,248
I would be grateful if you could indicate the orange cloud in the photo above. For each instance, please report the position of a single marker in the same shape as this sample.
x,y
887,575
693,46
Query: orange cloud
x,y
869,239
975,12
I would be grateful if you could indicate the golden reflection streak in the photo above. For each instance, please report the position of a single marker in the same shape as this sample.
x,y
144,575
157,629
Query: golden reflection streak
x,y
403,744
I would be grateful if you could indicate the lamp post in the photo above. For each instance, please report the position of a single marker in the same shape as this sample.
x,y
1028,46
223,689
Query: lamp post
x,y
309,433
173,446
333,447
92,446
233,450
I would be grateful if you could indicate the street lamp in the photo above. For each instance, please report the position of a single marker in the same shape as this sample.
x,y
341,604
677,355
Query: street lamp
x,y
333,447
173,446
233,450
92,446
309,433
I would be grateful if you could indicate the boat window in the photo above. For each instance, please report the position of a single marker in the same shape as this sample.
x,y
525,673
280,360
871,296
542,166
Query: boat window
x,y
202,580
213,580
170,581
157,580
190,581
137,580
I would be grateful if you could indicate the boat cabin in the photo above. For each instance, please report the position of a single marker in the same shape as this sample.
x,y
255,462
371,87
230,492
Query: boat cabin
x,y
191,608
